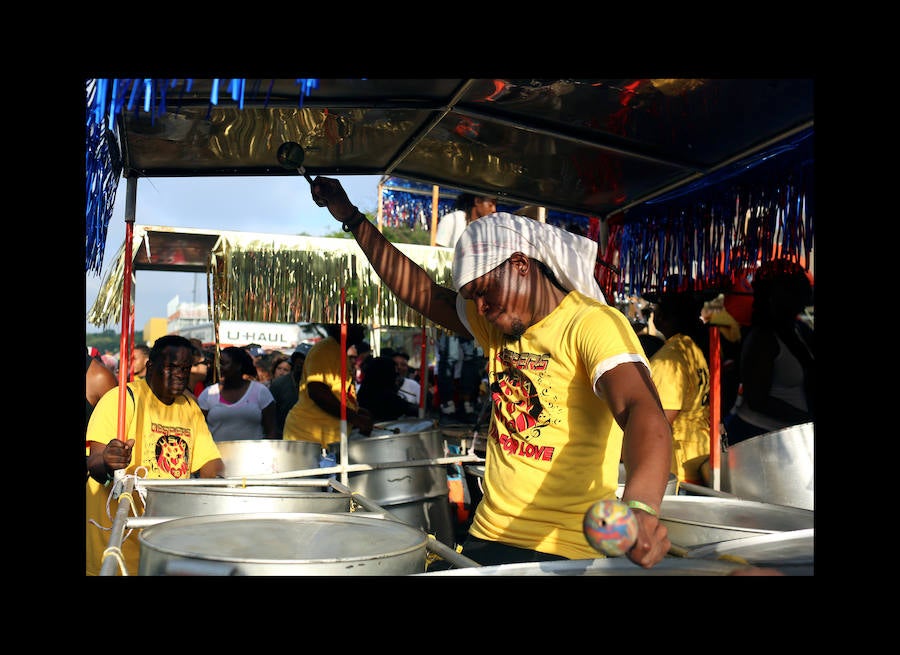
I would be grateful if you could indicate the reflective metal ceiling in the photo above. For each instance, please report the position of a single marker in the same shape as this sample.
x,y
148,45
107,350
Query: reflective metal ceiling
x,y
583,146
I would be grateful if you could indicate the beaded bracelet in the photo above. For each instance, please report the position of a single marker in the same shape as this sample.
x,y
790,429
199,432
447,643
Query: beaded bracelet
x,y
353,221
636,504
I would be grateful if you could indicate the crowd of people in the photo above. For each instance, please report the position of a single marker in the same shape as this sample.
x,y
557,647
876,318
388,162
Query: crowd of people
x,y
573,389
239,401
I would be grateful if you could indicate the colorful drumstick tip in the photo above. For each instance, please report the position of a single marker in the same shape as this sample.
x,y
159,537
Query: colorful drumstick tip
x,y
610,527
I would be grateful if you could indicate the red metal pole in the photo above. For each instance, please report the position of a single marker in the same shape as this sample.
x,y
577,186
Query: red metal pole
x,y
343,356
127,311
345,477
423,374
715,410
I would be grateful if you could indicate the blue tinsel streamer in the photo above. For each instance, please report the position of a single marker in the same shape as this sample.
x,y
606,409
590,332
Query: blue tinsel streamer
x,y
703,224
400,209
106,99
102,179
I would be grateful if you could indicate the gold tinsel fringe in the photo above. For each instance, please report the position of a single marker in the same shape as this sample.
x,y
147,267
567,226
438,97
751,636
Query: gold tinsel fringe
x,y
290,280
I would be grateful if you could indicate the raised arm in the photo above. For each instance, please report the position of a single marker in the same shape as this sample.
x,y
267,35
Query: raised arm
x,y
409,281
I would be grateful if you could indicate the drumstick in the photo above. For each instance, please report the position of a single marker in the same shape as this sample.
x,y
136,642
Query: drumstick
x,y
291,155
681,551
610,527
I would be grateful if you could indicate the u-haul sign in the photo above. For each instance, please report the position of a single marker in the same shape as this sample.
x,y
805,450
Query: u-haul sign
x,y
279,336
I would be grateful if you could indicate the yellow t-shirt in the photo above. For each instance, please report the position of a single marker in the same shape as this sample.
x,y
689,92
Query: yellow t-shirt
x,y
681,375
171,442
553,447
728,325
306,421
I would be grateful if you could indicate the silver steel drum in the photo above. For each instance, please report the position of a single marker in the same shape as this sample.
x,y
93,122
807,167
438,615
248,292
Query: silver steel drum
x,y
603,566
249,457
776,467
192,500
397,484
406,425
699,520
430,514
671,485
794,549
282,544
476,470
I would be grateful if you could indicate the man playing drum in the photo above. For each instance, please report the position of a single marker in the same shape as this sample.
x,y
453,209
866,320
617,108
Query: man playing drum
x,y
570,385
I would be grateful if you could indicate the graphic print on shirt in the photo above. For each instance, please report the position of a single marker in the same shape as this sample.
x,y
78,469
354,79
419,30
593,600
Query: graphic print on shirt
x,y
517,404
171,451
703,384
173,455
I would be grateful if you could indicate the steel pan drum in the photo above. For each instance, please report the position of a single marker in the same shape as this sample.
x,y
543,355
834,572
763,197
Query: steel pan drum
x,y
430,514
249,457
699,520
776,467
603,566
476,470
191,500
282,544
399,484
406,425
794,548
671,485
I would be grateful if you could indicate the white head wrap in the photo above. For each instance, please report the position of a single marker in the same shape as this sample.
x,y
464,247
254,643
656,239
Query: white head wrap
x,y
489,241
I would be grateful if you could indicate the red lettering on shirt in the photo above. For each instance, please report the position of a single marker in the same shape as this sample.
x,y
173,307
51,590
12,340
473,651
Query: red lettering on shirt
x,y
525,449
525,361
170,430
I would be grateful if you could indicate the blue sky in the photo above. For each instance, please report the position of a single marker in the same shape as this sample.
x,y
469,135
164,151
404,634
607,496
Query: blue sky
x,y
274,205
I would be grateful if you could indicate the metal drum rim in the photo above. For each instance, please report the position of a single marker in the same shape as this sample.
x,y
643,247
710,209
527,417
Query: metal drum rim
x,y
255,491
284,517
392,435
788,509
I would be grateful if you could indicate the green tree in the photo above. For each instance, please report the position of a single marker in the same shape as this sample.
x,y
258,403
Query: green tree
x,y
109,340
392,234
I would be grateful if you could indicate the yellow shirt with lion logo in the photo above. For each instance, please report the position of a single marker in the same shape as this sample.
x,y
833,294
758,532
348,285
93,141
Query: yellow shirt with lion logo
x,y
171,442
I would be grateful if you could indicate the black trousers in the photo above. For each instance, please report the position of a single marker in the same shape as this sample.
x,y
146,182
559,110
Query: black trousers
x,y
493,553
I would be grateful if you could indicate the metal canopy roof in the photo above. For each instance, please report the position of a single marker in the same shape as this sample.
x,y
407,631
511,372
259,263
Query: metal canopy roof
x,y
592,147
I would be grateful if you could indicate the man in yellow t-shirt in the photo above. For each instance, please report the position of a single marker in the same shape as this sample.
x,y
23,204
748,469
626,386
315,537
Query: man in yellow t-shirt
x,y
166,438
316,416
681,374
553,440
571,386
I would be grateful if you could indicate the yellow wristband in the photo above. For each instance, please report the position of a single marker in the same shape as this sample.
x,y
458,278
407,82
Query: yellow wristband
x,y
636,504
